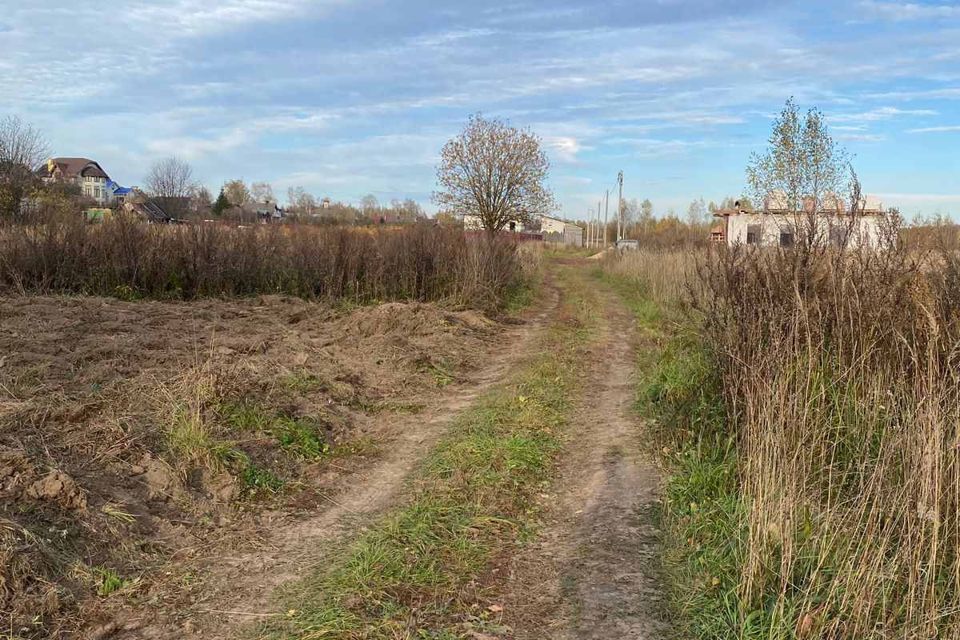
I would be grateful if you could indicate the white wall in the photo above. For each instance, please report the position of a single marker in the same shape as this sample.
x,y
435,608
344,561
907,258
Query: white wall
x,y
473,222
551,225
866,231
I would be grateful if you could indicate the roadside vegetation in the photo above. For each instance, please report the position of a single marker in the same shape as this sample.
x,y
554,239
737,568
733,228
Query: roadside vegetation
x,y
807,412
419,571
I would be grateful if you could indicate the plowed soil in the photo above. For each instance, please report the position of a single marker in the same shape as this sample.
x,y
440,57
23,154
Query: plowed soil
x,y
142,443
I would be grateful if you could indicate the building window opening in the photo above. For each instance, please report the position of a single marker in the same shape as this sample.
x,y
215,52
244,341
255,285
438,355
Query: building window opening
x,y
786,238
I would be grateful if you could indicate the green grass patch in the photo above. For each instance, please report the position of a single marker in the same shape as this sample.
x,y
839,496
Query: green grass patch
x,y
520,296
301,436
302,382
410,575
258,480
109,581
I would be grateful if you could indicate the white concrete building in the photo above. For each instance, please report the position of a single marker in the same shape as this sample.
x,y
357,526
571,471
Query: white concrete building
x,y
550,224
472,222
777,228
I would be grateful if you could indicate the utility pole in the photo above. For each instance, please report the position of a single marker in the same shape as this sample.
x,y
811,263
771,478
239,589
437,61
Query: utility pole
x,y
599,242
606,216
620,228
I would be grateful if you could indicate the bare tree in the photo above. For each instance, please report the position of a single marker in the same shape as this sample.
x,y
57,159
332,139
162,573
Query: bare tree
x,y
298,199
22,150
237,192
697,212
261,192
496,172
369,204
201,200
170,183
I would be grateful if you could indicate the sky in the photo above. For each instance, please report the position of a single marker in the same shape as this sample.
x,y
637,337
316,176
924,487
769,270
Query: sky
x,y
350,97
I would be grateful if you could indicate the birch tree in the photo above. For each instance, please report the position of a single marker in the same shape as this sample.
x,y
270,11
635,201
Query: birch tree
x,y
803,169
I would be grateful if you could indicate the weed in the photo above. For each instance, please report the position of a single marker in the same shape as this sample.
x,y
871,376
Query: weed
x,y
114,511
125,258
109,581
302,382
363,446
442,376
256,479
300,436
797,506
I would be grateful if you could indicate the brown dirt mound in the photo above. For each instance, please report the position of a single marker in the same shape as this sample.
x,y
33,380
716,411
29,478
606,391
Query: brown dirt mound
x,y
135,433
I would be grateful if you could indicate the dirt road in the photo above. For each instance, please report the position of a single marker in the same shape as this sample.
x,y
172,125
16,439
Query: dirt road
x,y
594,572
239,589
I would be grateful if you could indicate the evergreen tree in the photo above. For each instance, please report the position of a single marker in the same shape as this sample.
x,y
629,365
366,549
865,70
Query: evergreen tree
x,y
221,205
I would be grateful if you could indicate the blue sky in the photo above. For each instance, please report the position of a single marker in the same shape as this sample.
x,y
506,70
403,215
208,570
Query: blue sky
x,y
348,97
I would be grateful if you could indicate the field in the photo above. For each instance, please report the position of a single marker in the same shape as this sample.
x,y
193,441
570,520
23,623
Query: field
x,y
142,435
720,443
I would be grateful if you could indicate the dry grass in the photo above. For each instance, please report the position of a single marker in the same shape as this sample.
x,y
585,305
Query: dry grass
x,y
663,276
817,487
839,375
128,259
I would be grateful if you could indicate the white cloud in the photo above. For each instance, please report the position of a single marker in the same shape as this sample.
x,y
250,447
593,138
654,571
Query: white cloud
x,y
922,94
565,148
940,129
861,137
904,11
880,113
192,18
196,148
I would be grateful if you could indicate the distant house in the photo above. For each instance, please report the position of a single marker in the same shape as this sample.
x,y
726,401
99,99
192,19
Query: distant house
x,y
473,222
718,233
268,211
87,174
118,194
778,226
148,211
560,231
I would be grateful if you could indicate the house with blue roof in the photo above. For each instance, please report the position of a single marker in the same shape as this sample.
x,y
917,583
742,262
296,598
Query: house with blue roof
x,y
118,194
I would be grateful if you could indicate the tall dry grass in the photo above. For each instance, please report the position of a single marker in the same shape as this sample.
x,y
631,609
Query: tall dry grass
x,y
840,376
123,257
661,275
828,505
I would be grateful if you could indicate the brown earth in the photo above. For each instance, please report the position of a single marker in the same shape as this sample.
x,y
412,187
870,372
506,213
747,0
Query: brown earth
x,y
594,571
89,484
106,529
